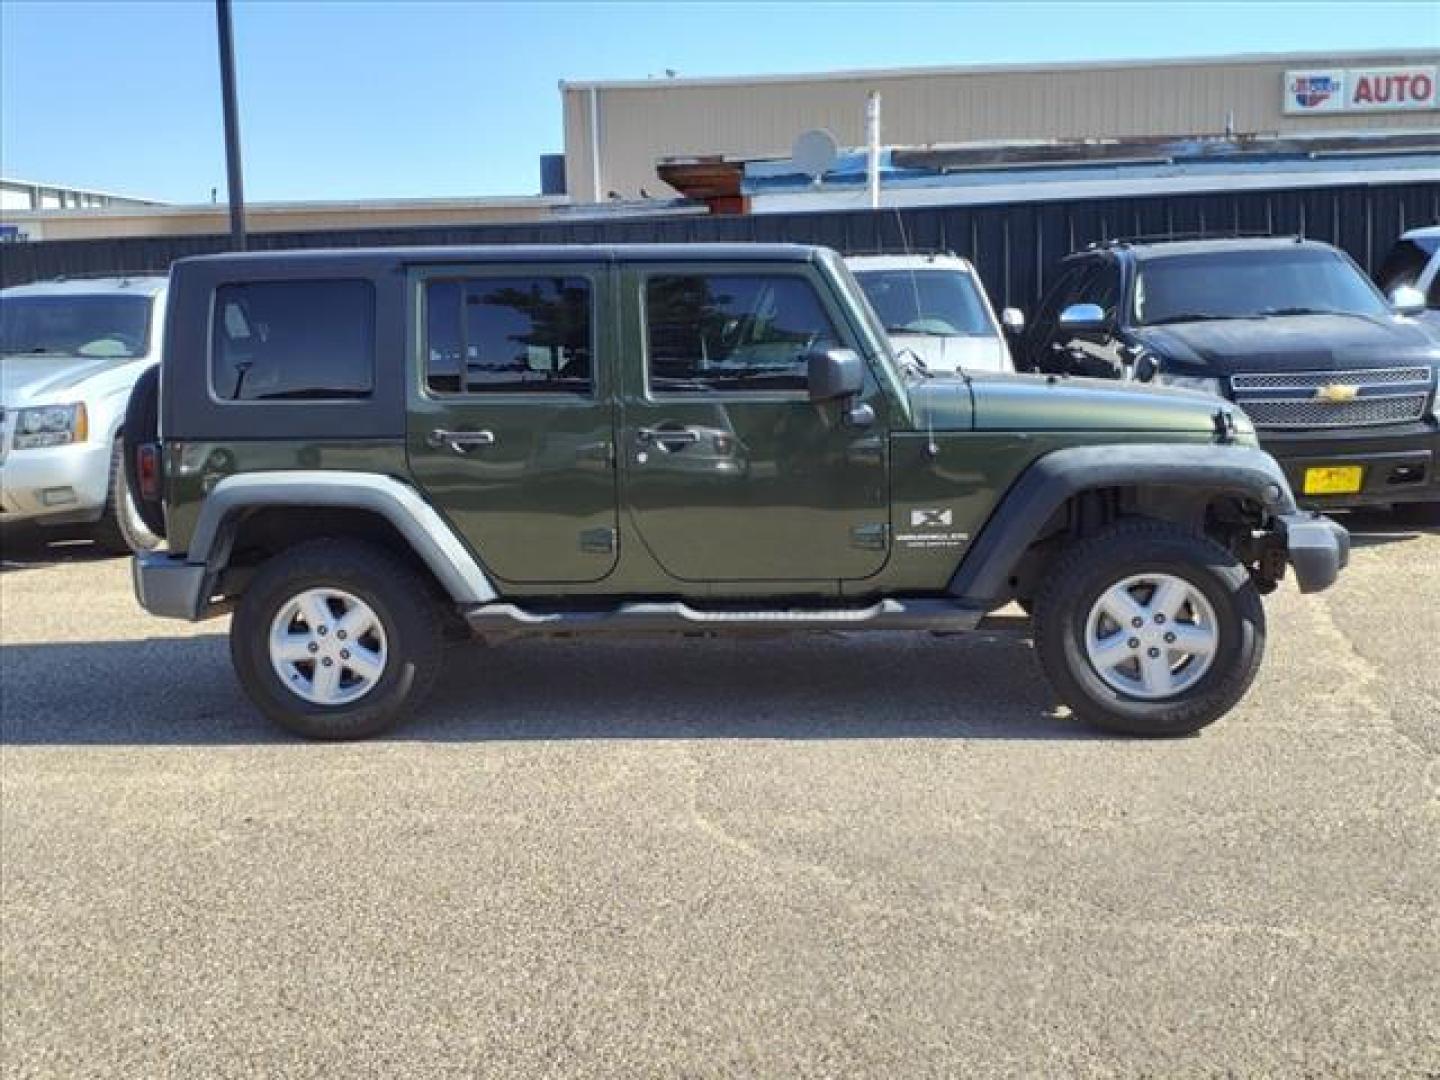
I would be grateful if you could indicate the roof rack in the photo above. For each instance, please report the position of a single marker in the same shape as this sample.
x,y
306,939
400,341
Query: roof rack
x,y
98,275
885,248
1177,237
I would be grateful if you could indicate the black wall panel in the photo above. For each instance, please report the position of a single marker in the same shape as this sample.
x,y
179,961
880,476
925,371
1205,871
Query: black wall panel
x,y
1014,245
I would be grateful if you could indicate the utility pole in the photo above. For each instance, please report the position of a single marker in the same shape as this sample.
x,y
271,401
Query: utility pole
x,y
872,138
235,184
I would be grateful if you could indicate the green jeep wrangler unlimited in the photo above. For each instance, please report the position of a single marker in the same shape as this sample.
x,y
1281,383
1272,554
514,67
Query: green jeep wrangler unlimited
x,y
364,453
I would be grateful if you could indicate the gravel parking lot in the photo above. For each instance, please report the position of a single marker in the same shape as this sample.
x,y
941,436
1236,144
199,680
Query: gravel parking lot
x,y
831,856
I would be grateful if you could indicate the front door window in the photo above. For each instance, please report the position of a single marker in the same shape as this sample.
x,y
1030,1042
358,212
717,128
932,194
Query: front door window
x,y
732,333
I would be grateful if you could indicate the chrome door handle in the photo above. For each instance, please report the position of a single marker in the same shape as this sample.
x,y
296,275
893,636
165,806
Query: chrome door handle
x,y
645,436
461,442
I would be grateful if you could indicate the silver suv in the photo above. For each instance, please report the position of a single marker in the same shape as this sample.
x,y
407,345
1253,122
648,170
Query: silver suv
x,y
70,351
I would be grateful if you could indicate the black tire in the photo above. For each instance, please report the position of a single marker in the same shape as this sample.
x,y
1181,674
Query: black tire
x,y
1084,571
407,609
142,426
121,530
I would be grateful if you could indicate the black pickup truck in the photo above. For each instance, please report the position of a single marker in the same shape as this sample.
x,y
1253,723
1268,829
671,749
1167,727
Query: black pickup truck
x,y
1341,384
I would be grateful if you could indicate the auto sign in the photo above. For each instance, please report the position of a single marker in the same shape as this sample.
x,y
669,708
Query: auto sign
x,y
1385,89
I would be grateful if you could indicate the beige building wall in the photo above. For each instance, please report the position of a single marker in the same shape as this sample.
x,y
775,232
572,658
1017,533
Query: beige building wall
x,y
641,122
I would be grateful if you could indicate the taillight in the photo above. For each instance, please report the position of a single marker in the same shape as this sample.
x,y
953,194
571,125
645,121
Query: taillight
x,y
147,471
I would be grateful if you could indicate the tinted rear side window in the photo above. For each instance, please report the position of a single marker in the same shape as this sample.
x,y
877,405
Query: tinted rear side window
x,y
508,334
274,340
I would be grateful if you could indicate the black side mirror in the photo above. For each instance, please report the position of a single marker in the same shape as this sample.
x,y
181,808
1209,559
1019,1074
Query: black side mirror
x,y
834,374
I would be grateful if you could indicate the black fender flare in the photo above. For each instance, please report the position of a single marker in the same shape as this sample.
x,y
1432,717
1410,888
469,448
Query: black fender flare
x,y
1248,472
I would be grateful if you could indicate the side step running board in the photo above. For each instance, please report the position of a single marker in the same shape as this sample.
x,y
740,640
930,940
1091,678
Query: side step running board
x,y
675,617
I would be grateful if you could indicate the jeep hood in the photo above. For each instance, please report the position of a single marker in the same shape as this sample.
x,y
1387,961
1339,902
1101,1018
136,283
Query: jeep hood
x,y
1049,403
1291,343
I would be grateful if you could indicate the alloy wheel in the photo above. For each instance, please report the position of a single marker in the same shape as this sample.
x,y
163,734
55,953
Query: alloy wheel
x,y
1151,636
328,646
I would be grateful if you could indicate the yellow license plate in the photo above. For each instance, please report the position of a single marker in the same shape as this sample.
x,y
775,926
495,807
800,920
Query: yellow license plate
x,y
1333,479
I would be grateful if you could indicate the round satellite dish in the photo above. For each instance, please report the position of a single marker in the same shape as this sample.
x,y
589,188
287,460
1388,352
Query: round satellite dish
x,y
815,152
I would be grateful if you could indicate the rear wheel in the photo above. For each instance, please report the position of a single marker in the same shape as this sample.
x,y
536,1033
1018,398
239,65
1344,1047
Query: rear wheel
x,y
1148,629
337,640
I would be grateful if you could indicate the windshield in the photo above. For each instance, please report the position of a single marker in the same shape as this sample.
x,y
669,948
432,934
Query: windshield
x,y
943,303
1251,284
99,326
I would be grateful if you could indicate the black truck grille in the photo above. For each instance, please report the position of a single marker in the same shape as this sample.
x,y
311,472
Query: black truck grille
x,y
1333,399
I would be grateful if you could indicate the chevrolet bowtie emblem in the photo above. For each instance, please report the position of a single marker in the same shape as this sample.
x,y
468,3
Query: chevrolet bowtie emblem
x,y
1337,393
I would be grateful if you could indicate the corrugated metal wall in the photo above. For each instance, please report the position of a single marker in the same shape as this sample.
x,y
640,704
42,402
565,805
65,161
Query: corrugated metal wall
x,y
642,122
1014,246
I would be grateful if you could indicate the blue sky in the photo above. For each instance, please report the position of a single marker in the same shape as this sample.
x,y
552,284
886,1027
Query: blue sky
x,y
353,100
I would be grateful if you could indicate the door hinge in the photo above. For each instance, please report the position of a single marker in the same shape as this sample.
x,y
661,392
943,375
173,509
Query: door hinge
x,y
597,541
870,537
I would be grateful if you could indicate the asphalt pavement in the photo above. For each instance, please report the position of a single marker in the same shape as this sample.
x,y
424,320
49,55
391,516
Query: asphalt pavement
x,y
877,855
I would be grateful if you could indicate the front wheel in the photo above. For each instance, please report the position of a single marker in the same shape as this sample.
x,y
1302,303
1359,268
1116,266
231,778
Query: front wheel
x,y
1149,629
336,640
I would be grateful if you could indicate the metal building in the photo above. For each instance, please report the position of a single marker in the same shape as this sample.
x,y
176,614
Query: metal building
x,y
18,194
615,132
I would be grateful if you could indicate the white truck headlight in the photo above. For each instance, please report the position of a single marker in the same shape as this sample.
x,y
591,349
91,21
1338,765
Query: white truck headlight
x,y
50,425
1190,382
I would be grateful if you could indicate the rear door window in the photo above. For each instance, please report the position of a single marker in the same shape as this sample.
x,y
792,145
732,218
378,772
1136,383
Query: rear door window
x,y
293,340
530,334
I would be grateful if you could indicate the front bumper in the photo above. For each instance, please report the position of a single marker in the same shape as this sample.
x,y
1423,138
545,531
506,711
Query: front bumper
x,y
170,587
1401,464
1315,547
56,485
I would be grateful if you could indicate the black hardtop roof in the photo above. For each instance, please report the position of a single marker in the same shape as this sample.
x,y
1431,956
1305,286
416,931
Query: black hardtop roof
x,y
1148,250
381,257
